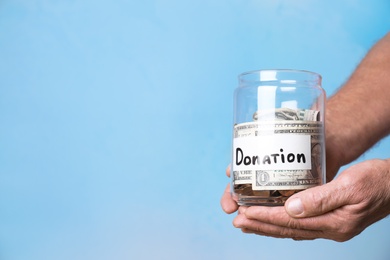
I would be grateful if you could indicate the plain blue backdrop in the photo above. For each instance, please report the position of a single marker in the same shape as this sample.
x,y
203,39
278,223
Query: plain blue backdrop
x,y
116,117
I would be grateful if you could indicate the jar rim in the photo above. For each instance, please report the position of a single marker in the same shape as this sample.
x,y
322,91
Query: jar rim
x,y
267,75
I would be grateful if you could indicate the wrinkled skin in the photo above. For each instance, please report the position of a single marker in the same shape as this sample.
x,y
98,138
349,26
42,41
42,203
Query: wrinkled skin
x,y
338,210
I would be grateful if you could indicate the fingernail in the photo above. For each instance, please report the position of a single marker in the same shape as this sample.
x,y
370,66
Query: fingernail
x,y
295,207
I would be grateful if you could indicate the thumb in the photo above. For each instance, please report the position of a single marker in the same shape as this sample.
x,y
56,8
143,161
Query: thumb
x,y
315,201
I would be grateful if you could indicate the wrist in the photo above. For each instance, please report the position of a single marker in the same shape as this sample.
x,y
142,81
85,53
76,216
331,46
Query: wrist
x,y
336,139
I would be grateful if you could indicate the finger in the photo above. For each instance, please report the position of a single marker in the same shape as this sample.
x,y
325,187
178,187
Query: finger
x,y
316,201
228,204
266,229
228,171
278,216
249,231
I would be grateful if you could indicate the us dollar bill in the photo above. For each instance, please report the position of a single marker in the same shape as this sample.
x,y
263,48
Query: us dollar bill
x,y
265,128
287,114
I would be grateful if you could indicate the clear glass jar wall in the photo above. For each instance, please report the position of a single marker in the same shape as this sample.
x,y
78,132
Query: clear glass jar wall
x,y
278,136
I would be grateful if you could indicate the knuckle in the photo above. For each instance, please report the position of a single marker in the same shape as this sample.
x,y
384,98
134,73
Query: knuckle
x,y
293,223
346,234
318,199
344,231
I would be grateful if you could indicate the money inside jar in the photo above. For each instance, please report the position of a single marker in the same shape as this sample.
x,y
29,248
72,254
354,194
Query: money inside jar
x,y
278,154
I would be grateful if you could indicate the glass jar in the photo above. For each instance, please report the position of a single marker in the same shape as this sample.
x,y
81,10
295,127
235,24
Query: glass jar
x,y
278,136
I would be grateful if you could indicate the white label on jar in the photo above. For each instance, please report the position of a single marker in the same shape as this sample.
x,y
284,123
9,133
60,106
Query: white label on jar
x,y
278,155
272,152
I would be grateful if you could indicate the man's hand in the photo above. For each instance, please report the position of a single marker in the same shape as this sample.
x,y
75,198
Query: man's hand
x,y
338,210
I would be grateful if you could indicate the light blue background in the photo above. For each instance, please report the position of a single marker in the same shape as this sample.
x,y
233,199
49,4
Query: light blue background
x,y
116,116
